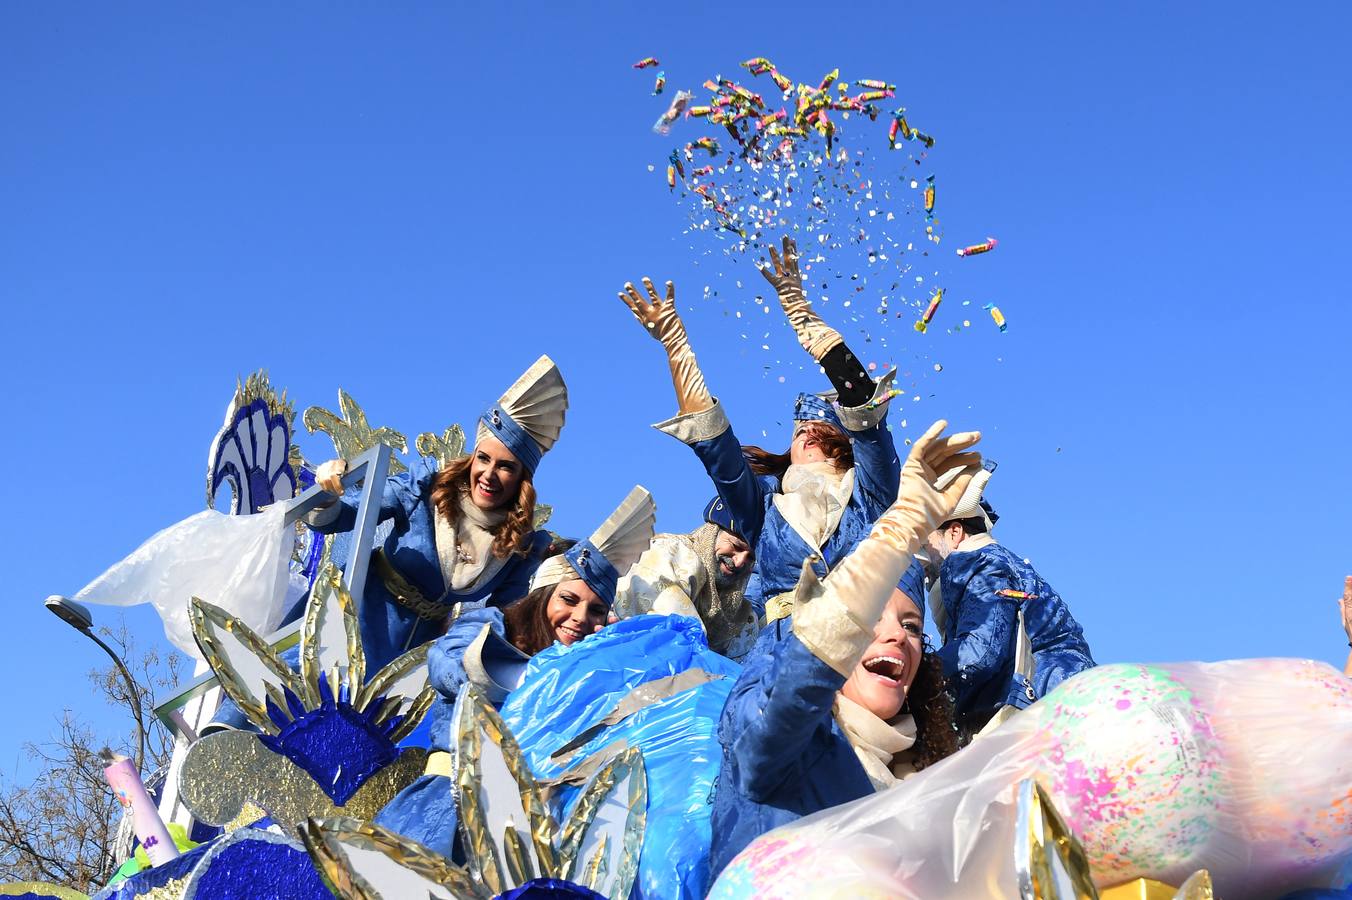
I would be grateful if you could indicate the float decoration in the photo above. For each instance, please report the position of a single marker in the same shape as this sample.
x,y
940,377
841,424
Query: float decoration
x,y
329,741
350,432
511,839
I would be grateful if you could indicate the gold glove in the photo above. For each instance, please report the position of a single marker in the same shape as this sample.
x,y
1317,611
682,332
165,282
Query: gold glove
x,y
660,319
815,335
835,618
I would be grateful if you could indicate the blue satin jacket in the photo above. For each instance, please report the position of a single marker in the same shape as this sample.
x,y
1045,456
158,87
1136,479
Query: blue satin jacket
x,y
981,633
784,756
780,550
387,627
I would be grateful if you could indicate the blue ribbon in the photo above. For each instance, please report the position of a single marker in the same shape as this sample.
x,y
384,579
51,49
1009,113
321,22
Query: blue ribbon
x,y
513,437
593,567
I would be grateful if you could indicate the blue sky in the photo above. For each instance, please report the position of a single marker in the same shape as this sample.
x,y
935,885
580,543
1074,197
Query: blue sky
x,y
412,201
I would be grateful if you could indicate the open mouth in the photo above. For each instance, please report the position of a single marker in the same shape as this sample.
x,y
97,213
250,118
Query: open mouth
x,y
887,669
488,490
570,634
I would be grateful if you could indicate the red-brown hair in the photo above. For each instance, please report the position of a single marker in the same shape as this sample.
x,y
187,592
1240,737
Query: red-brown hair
x,y
526,624
513,536
833,443
930,703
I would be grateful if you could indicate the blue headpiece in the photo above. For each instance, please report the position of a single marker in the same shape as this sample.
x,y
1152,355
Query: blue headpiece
x,y
816,408
528,418
601,559
718,513
912,584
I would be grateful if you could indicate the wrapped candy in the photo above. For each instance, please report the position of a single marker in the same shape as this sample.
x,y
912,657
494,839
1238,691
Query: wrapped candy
x,y
678,105
646,62
671,177
998,316
1240,768
985,247
870,96
929,195
704,143
923,325
1012,594
876,85
661,83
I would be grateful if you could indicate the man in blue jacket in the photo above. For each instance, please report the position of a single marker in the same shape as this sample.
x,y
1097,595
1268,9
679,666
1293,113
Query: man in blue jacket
x,y
984,591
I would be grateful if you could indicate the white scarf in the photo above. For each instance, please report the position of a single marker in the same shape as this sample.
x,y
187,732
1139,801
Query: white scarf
x,y
877,743
812,498
465,548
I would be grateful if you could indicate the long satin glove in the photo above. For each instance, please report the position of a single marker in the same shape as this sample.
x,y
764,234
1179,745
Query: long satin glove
x,y
835,618
816,336
660,319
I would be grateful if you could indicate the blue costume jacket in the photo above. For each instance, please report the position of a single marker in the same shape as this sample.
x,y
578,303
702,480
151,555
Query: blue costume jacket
x,y
780,550
425,811
981,630
784,756
388,628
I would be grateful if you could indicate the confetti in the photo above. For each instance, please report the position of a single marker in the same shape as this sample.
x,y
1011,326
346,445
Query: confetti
x,y
974,249
678,105
998,316
923,324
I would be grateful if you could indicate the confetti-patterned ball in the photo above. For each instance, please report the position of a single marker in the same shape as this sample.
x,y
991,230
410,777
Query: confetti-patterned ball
x,y
1132,764
1288,762
777,866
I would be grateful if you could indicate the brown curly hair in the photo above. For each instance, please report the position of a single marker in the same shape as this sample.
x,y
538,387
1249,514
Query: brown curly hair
x,y
513,536
931,705
833,443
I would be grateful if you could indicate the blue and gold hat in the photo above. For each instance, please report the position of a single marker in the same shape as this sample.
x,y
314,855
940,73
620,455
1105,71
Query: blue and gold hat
x,y
528,418
817,408
719,513
601,559
912,584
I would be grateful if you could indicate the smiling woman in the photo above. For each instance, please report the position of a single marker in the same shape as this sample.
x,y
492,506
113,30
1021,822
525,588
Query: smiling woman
x,y
826,710
463,534
570,599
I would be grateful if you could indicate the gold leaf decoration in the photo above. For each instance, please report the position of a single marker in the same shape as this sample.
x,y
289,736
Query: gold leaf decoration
x,y
351,433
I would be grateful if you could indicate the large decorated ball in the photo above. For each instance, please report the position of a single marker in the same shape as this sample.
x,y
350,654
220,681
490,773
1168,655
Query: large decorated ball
x,y
784,864
1132,763
1284,725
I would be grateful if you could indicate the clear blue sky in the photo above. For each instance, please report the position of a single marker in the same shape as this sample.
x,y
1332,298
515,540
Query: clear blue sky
x,y
411,201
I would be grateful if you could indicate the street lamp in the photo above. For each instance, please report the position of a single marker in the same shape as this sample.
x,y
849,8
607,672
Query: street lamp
x,y
77,616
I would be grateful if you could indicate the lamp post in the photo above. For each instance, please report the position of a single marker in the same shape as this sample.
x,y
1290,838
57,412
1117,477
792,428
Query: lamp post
x,y
77,616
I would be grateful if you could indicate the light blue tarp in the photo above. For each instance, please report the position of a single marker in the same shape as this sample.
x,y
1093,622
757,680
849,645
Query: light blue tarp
x,y
569,689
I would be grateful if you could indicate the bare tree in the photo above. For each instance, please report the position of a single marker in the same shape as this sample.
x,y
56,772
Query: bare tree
x,y
61,826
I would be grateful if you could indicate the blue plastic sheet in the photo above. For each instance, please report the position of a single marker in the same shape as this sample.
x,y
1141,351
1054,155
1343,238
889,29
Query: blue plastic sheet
x,y
567,690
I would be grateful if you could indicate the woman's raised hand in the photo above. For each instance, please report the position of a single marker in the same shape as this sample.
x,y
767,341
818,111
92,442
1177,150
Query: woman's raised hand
x,y
936,473
816,336
329,476
657,316
782,272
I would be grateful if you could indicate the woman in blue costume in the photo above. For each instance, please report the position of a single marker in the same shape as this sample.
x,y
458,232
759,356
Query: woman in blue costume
x,y
986,592
570,598
817,500
463,534
829,705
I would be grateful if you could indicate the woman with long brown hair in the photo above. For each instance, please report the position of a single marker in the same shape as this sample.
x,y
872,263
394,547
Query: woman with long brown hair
x,y
464,533
570,598
816,500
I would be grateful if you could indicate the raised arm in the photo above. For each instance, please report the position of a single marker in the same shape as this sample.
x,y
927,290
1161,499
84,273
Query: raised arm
x,y
862,402
833,620
700,423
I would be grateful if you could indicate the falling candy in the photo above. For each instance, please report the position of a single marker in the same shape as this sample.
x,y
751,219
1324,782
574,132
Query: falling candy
x,y
929,195
646,62
1015,595
661,83
973,250
998,316
678,105
671,178
923,325
704,143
